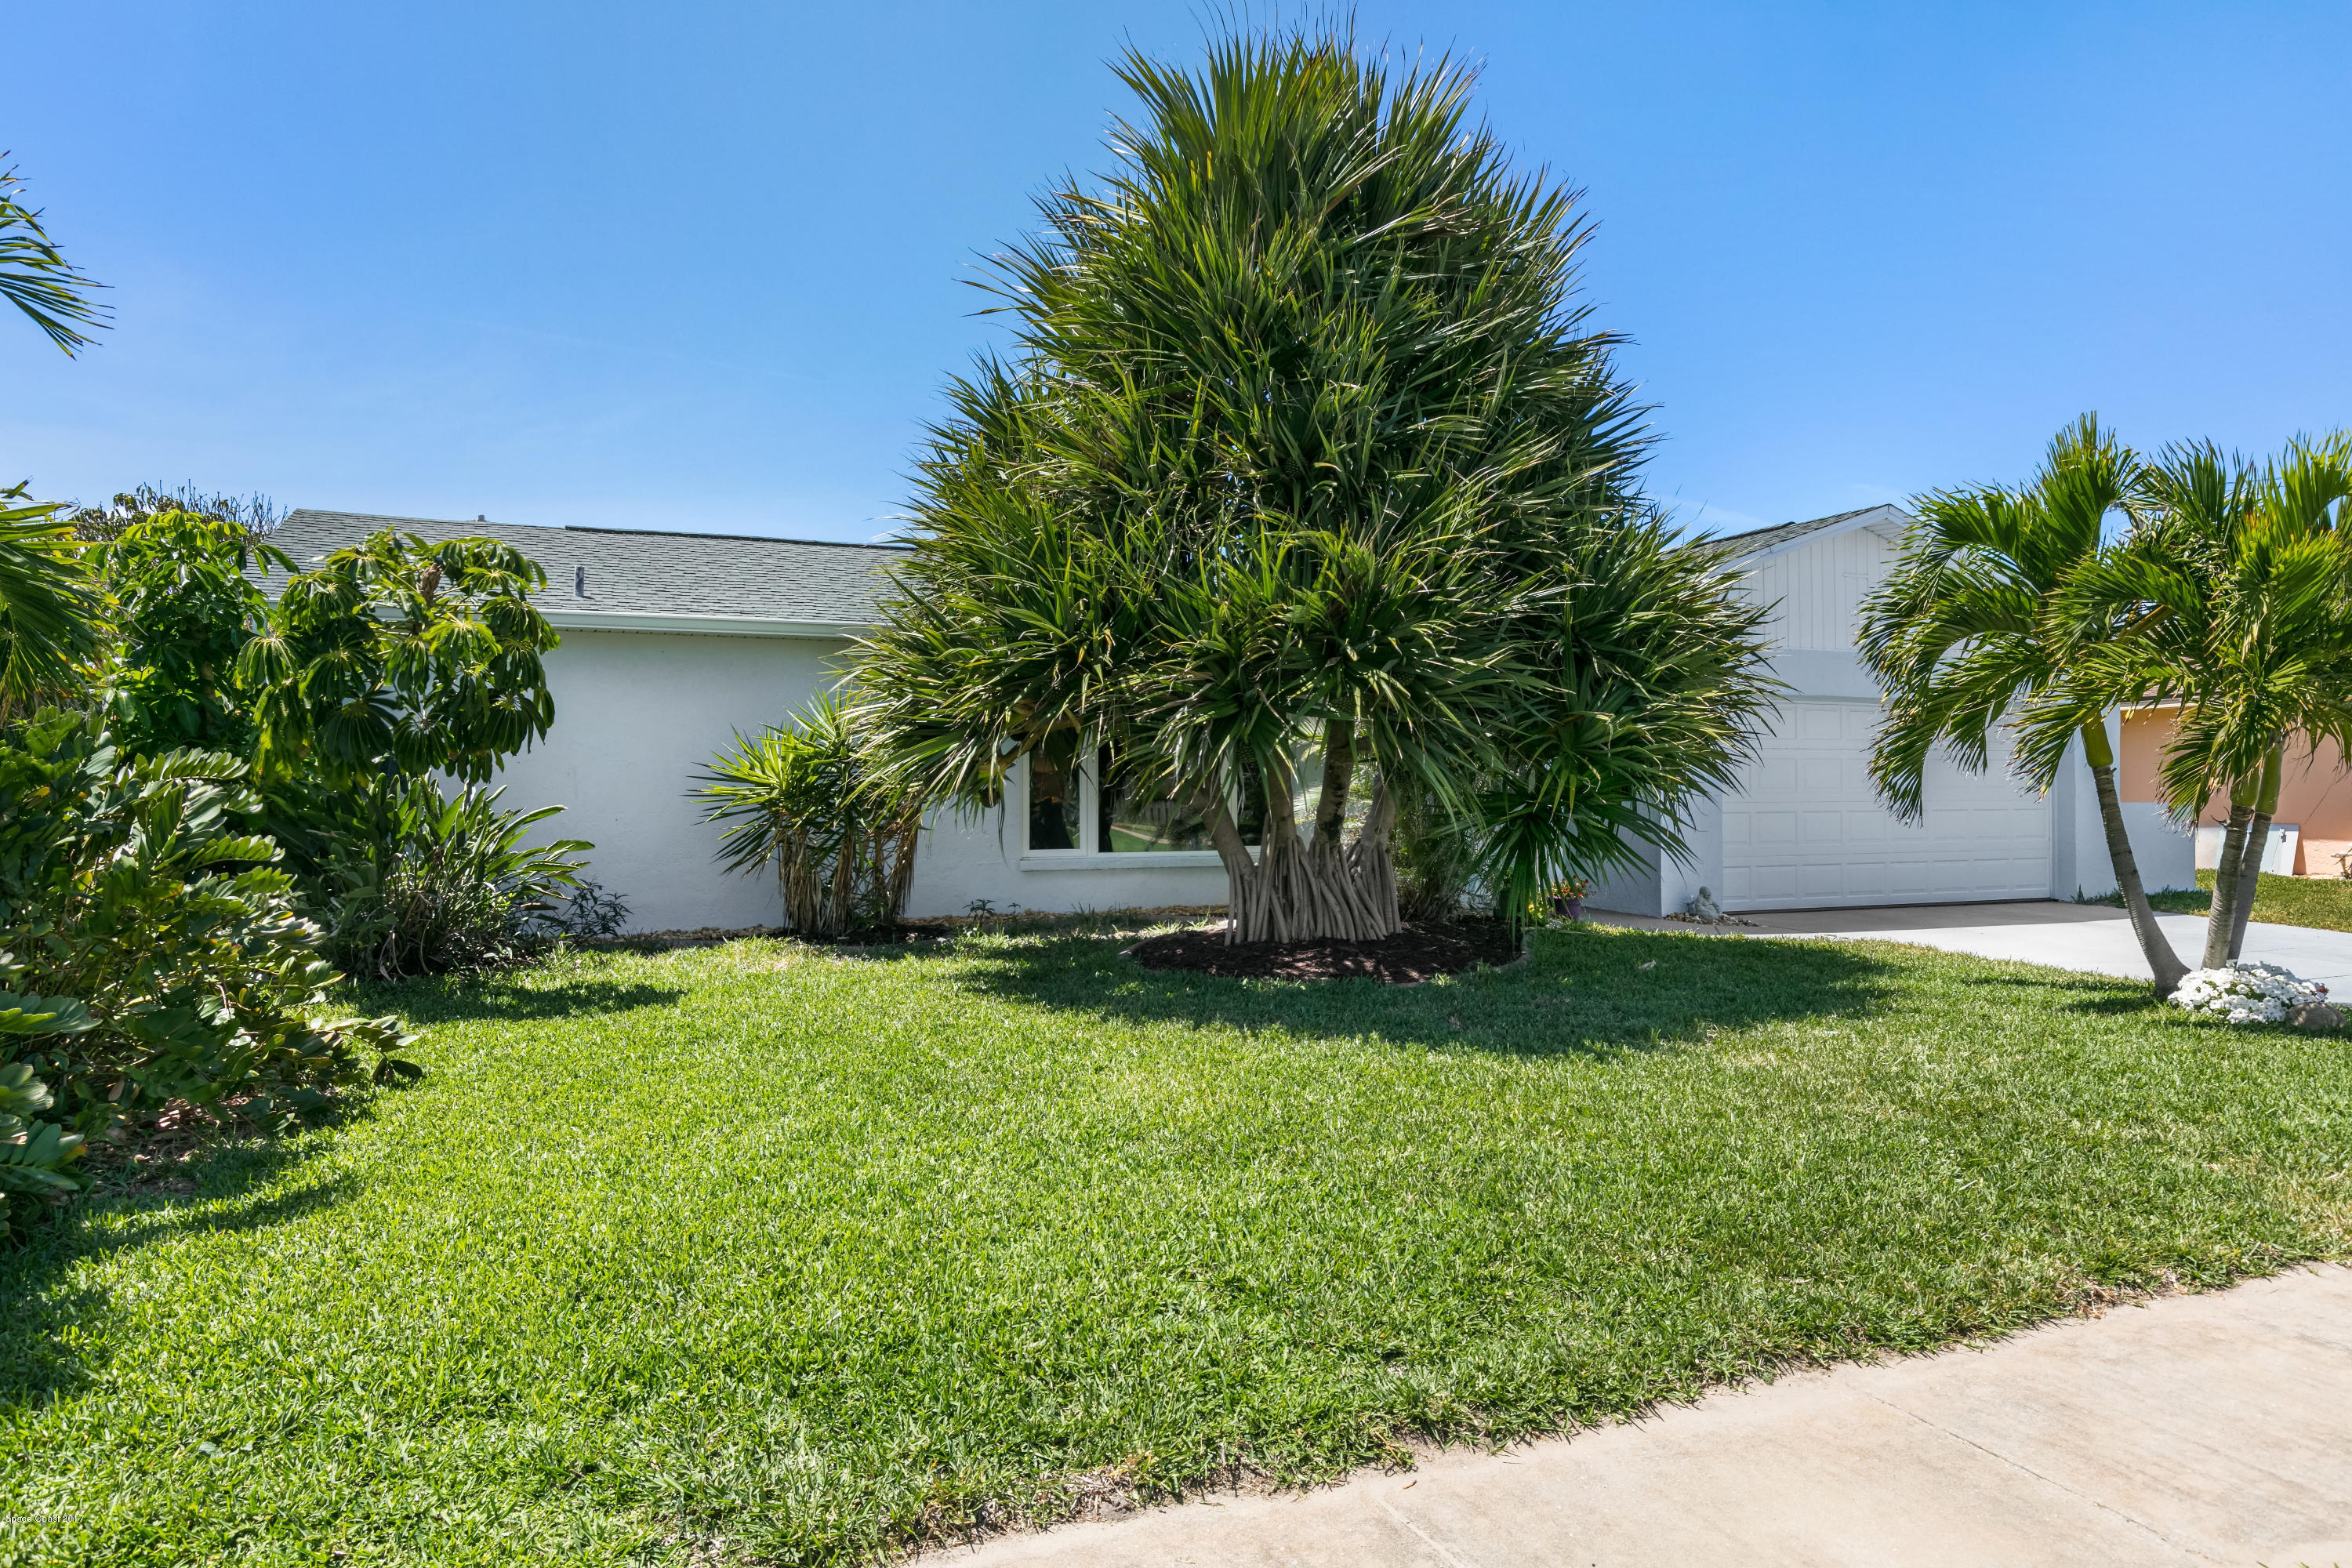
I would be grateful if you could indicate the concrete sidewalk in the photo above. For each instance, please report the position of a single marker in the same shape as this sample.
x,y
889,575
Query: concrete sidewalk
x,y
2090,937
2197,1429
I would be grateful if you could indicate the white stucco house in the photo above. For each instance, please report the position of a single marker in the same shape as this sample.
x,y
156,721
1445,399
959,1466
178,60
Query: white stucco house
x,y
675,642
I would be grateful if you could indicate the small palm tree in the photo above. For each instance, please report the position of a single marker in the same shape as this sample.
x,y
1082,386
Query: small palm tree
x,y
798,799
1980,623
2237,582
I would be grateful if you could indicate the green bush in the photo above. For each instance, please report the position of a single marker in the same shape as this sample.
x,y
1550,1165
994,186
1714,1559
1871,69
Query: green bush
x,y
430,883
799,798
162,939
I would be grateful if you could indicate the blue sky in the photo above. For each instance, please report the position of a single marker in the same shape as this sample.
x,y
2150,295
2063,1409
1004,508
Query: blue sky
x,y
702,265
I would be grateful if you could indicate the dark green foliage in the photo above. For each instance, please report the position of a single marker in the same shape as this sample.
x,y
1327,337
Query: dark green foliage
x,y
801,799
1435,858
36,1156
428,882
184,610
1309,460
128,886
1979,631
402,655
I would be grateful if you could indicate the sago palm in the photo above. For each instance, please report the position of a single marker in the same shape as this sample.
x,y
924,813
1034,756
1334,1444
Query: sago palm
x,y
1309,462
1977,625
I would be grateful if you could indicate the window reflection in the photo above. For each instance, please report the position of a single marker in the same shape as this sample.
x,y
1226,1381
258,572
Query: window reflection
x,y
1137,816
1053,808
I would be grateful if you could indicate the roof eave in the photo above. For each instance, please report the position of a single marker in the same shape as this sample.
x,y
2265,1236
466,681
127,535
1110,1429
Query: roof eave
x,y
1865,518
571,619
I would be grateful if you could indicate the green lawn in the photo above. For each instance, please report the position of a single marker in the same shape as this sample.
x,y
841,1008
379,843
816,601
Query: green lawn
x,y
2325,902
814,1252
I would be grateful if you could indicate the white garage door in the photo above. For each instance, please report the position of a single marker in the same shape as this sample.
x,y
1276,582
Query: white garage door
x,y
1807,832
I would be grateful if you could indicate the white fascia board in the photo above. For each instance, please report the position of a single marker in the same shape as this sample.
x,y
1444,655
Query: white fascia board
x,y
700,625
1886,516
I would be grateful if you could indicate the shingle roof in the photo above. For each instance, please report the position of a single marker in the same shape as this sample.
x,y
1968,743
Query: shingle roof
x,y
642,571
1757,539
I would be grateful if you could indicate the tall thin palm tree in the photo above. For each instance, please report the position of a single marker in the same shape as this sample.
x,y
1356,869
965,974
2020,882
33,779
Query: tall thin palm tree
x,y
1978,623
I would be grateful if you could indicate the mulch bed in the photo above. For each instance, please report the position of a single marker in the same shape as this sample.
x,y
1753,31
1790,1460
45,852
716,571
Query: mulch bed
x,y
1418,952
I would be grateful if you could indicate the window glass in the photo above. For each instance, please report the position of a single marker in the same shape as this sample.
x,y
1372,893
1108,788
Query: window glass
x,y
1135,816
1054,809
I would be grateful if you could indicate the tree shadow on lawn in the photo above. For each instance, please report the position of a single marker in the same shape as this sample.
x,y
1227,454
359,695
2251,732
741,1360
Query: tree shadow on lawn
x,y
461,998
1590,991
39,1361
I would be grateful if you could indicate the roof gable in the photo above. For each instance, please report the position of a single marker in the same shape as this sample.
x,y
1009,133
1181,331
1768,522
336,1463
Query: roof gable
x,y
1758,543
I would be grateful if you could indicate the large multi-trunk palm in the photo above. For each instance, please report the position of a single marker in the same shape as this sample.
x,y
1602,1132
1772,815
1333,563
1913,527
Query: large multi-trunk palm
x,y
1309,480
2237,583
1980,626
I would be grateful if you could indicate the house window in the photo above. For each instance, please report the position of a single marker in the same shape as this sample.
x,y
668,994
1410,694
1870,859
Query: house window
x,y
1094,809
1136,819
1056,805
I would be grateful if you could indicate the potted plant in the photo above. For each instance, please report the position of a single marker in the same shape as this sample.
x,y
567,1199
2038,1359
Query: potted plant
x,y
1568,897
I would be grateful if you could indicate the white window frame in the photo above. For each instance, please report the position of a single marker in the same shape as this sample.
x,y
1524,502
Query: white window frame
x,y
1089,856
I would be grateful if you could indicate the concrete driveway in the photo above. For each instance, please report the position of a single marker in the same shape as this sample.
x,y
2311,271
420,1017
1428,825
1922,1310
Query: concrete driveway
x,y
2064,936
2198,1429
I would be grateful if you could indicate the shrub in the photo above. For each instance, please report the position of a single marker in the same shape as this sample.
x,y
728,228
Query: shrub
x,y
433,882
800,800
590,912
163,942
34,1155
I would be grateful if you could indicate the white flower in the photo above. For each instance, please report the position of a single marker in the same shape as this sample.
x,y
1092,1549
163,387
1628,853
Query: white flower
x,y
2245,992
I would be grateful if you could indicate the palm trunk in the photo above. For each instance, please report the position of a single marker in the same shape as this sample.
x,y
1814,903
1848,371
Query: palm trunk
x,y
2258,833
2223,913
1338,772
2162,961
1295,891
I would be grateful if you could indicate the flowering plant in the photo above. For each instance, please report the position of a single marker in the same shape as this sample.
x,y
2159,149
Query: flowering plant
x,y
2246,992
1572,888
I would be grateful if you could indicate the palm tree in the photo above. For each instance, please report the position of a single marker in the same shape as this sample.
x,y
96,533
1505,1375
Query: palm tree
x,y
37,279
48,604
1310,473
1977,625
2238,582
797,798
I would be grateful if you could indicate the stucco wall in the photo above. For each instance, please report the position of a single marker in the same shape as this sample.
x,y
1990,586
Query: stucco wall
x,y
2314,790
637,715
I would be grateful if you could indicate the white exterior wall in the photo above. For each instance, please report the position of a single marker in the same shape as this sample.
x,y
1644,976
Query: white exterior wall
x,y
1818,587
637,716
963,859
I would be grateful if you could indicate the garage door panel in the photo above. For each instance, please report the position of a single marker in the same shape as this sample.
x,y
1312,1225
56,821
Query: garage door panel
x,y
1806,828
